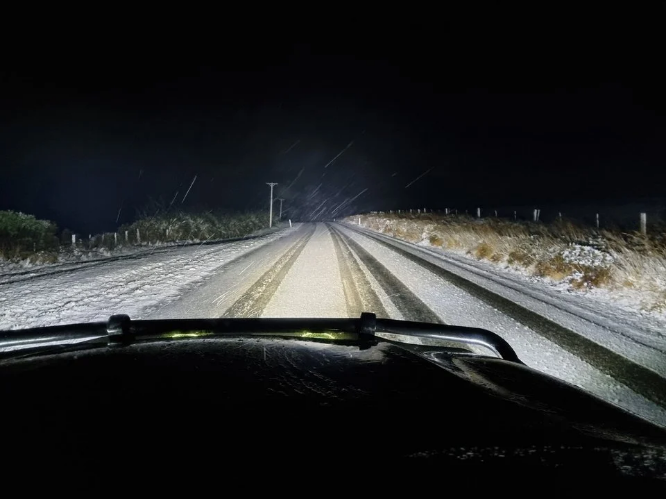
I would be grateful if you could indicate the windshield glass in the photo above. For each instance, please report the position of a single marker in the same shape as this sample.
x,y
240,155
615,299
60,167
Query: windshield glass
x,y
325,181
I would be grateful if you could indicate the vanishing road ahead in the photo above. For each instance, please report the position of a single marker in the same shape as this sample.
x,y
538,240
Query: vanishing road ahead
x,y
339,270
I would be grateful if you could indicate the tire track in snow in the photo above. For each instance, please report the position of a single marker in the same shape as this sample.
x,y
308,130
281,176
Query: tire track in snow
x,y
359,295
638,378
410,306
256,298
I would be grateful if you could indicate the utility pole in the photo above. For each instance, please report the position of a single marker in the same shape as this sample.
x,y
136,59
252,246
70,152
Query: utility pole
x,y
281,200
270,210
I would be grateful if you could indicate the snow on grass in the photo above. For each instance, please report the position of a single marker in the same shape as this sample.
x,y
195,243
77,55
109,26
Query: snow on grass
x,y
134,286
627,271
69,256
456,306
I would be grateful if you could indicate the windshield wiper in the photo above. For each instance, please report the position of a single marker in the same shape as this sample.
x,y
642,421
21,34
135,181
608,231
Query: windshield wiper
x,y
121,330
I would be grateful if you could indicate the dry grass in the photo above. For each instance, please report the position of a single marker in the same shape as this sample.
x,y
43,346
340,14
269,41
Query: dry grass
x,y
436,240
483,251
582,257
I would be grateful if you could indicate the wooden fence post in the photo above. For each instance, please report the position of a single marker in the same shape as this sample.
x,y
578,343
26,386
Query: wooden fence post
x,y
478,213
138,236
73,240
643,223
597,221
126,236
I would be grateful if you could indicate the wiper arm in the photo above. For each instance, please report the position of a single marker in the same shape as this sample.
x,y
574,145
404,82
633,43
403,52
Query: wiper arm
x,y
120,330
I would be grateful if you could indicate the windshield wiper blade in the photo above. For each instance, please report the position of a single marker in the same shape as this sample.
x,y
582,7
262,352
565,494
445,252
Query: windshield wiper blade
x,y
121,330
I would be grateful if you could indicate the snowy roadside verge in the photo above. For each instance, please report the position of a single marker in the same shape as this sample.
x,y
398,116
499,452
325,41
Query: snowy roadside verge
x,y
622,273
460,306
627,334
131,286
76,258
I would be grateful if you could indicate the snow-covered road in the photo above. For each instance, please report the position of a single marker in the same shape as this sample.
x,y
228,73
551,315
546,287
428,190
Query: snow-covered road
x,y
333,270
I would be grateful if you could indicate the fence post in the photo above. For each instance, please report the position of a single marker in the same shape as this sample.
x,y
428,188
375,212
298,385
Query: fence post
x,y
643,223
478,213
410,210
138,236
424,210
126,236
534,218
115,238
560,215
495,213
289,222
359,221
597,221
514,215
418,211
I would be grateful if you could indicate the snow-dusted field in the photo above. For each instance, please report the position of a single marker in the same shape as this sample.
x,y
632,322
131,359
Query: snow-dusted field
x,y
134,286
338,271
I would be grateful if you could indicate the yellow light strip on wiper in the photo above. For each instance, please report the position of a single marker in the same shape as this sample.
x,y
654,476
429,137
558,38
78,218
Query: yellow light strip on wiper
x,y
328,335
182,335
177,334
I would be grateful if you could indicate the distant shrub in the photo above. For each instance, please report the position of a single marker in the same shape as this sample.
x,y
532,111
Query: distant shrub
x,y
188,226
22,234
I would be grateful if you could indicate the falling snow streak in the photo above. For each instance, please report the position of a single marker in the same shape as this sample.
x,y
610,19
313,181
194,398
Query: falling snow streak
x,y
314,192
292,182
341,205
359,194
291,147
319,212
174,199
315,210
343,188
188,189
424,173
338,155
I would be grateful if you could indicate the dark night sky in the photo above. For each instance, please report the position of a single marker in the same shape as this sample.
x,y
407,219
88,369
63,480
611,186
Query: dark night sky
x,y
501,107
